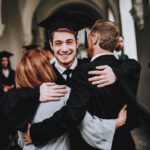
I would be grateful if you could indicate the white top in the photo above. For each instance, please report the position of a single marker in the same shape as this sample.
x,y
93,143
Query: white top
x,y
117,54
5,72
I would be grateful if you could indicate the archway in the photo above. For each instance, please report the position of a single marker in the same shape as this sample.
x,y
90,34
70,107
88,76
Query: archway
x,y
89,11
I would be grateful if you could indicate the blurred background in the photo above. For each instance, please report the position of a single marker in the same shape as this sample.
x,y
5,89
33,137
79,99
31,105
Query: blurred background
x,y
19,29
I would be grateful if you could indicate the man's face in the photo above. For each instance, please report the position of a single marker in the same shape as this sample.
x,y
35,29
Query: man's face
x,y
4,62
90,44
120,44
64,46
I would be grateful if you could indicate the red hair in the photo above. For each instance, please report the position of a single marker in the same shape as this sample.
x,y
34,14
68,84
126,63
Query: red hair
x,y
33,69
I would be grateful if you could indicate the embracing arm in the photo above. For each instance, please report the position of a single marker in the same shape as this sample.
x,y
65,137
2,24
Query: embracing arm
x,y
99,132
128,75
67,117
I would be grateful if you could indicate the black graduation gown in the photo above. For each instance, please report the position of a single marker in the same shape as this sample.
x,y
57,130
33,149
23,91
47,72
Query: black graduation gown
x,y
4,136
7,80
19,104
103,102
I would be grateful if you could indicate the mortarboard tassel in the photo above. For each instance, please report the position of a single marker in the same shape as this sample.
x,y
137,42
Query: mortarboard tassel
x,y
86,40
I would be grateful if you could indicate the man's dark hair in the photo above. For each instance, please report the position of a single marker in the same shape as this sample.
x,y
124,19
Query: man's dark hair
x,y
62,30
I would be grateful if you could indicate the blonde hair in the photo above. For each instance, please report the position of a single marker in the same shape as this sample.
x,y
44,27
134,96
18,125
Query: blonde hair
x,y
108,32
33,69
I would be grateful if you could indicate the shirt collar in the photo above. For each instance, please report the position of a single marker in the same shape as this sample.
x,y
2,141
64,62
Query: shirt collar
x,y
53,60
61,69
98,55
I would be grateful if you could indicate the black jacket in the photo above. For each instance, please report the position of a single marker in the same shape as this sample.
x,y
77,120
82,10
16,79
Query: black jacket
x,y
21,105
102,102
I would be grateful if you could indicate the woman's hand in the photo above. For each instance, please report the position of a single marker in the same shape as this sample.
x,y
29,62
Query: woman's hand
x,y
52,92
26,136
122,117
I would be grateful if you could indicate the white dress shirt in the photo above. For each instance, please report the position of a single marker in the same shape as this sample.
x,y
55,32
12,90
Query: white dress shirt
x,y
61,69
5,72
98,55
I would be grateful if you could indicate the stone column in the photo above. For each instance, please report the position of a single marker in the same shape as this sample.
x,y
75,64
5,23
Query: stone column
x,y
128,29
27,9
2,26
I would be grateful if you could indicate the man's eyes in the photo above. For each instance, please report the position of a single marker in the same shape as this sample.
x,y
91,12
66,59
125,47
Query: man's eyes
x,y
70,42
67,42
58,44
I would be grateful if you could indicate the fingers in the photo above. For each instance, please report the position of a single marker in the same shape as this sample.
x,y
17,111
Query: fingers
x,y
59,87
61,91
49,83
103,85
96,78
57,95
103,76
52,92
53,98
125,116
96,72
124,107
27,143
101,67
26,136
123,110
100,82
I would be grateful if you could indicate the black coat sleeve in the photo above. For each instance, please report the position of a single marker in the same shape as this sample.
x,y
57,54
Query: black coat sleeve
x,y
128,75
16,106
68,116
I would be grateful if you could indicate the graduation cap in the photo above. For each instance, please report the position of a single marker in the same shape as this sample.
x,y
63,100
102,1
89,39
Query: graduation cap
x,y
88,19
5,54
63,19
29,47
46,46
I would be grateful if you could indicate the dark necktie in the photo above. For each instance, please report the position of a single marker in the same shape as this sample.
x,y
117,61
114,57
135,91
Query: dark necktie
x,y
68,79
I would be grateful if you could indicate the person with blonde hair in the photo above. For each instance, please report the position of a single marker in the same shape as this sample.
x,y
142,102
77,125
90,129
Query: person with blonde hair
x,y
32,70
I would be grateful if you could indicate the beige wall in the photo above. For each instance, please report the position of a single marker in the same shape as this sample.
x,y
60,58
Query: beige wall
x,y
11,38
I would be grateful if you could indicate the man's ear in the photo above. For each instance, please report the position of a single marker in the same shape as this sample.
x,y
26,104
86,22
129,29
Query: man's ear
x,y
51,45
77,42
95,39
